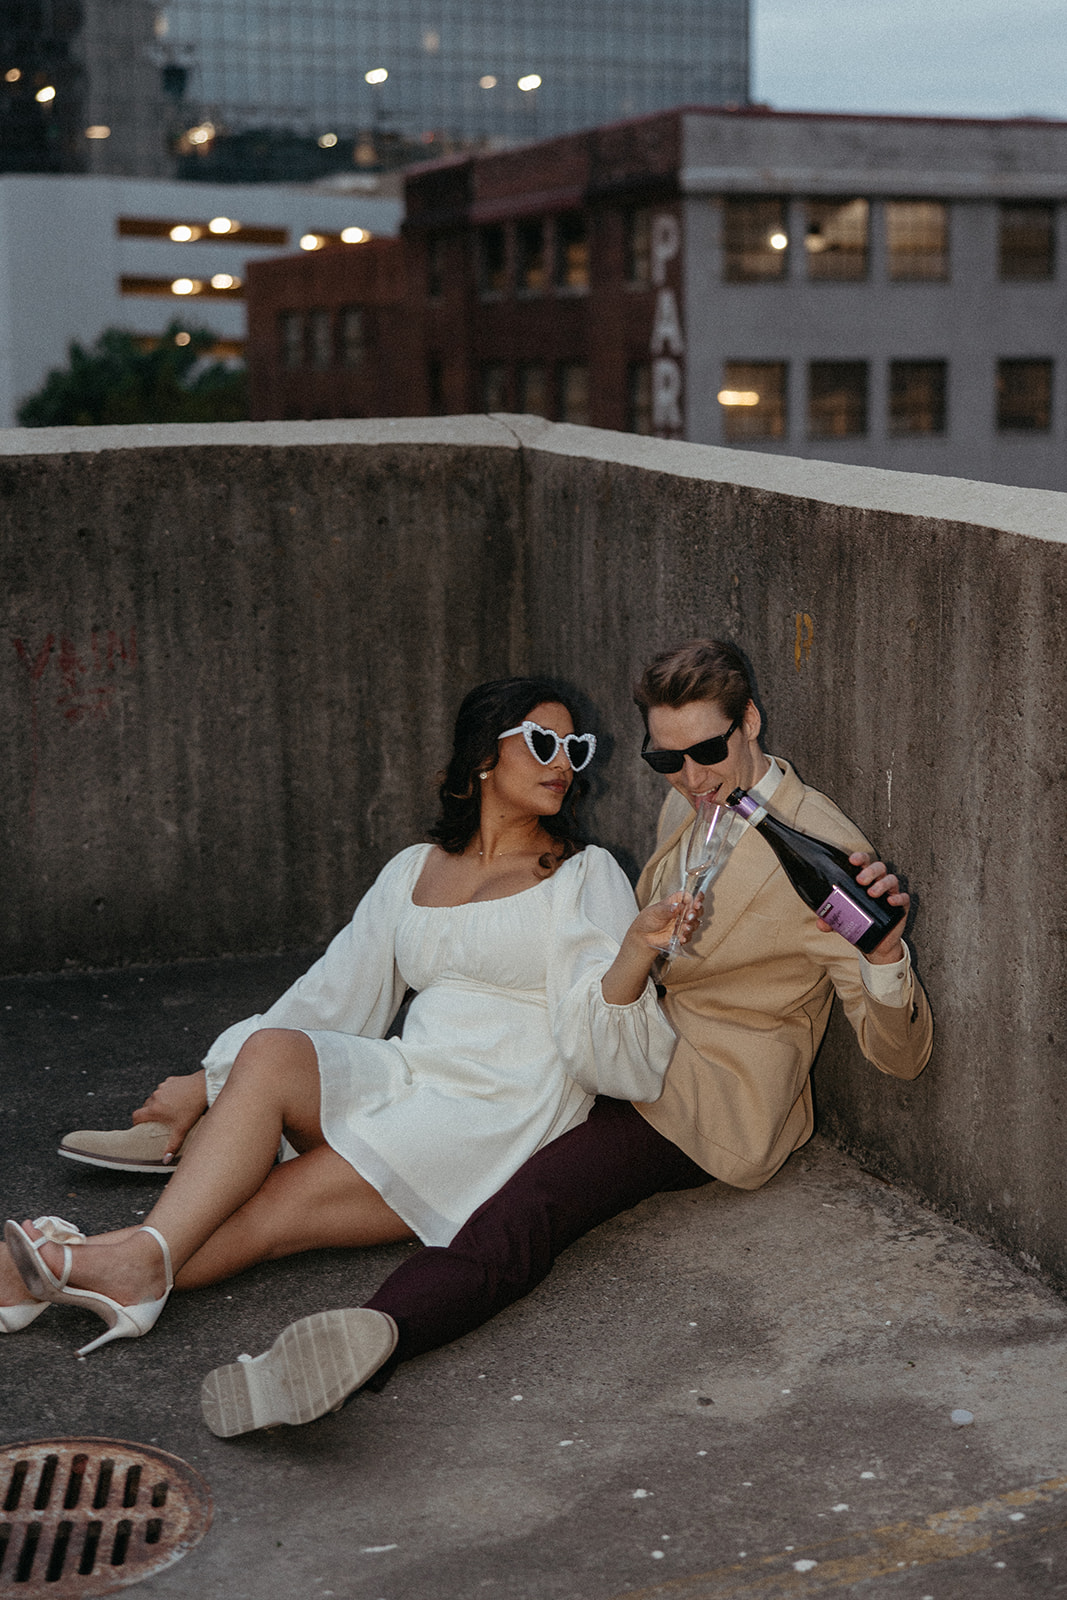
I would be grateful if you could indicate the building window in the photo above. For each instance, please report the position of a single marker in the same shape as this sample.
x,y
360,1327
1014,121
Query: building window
x,y
835,240
753,398
533,389
1027,242
352,340
493,260
917,240
639,397
754,238
435,267
837,399
916,398
532,273
291,339
574,393
1024,396
320,340
495,387
639,248
572,251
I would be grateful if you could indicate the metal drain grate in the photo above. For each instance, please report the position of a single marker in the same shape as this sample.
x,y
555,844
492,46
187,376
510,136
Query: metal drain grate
x,y
87,1516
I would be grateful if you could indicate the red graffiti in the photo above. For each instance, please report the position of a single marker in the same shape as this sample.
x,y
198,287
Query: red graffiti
x,y
86,680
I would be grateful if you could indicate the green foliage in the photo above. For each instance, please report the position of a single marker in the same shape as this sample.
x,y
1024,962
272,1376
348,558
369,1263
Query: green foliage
x,y
119,382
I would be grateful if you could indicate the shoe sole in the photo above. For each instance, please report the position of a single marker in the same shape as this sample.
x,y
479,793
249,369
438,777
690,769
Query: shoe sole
x,y
156,1169
311,1368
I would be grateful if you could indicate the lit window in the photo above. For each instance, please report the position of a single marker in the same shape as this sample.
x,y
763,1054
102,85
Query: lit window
x,y
1027,242
488,82
753,400
98,130
836,240
837,399
182,233
639,249
312,241
376,75
572,251
495,387
353,346
225,280
291,339
574,393
327,141
533,389
531,81
917,240
320,339
354,235
493,259
46,95
639,397
1024,396
916,398
223,225
186,286
530,256
755,241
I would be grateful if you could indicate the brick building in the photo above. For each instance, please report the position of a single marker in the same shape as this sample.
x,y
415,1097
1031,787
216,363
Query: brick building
x,y
879,290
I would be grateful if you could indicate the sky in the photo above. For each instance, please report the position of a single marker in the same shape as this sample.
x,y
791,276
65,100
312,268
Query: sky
x,y
982,58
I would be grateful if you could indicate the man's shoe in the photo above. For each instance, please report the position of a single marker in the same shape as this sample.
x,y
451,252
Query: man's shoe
x,y
311,1368
137,1149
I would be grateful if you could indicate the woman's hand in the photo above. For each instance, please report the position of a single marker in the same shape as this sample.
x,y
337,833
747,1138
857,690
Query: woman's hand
x,y
178,1102
648,933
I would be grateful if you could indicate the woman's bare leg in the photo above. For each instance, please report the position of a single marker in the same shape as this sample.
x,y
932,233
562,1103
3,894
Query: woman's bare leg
x,y
273,1089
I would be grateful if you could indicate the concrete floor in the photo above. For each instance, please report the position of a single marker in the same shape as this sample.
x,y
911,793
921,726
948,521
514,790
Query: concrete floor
x,y
716,1395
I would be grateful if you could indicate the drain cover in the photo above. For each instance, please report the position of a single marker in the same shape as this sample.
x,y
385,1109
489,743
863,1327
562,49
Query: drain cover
x,y
87,1516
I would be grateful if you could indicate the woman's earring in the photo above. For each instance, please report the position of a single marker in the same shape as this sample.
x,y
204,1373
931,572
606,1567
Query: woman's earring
x,y
483,776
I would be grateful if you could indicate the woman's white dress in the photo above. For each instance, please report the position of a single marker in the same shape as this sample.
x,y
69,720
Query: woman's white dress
x,y
505,1044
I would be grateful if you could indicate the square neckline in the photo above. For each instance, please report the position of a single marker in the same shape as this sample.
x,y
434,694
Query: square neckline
x,y
462,905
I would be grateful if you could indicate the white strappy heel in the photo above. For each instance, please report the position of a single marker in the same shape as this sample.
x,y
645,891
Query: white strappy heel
x,y
14,1319
123,1322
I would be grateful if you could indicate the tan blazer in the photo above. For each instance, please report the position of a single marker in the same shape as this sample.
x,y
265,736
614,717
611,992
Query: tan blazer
x,y
751,1003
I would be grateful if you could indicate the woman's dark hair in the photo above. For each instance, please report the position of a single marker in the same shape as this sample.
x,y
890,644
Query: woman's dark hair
x,y
484,715
704,669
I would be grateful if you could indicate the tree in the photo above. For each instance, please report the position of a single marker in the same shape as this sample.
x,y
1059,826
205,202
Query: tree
x,y
121,381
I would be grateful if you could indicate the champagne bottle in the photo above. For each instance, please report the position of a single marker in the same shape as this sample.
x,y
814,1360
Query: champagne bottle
x,y
822,876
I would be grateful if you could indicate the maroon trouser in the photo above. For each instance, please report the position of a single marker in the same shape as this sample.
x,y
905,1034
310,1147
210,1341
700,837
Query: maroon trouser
x,y
606,1165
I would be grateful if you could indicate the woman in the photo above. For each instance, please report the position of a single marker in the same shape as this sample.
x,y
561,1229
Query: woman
x,y
533,995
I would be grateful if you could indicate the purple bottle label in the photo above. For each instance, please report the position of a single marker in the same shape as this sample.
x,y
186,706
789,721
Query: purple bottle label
x,y
844,915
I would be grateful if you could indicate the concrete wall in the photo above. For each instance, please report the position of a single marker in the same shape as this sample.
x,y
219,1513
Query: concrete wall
x,y
231,656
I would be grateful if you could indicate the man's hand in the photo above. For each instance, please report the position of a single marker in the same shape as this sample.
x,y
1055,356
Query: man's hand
x,y
178,1102
879,882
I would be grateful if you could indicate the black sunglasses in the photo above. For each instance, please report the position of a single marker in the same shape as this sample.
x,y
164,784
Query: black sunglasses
x,y
708,753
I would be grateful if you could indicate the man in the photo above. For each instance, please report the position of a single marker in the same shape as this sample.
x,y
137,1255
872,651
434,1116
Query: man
x,y
749,1002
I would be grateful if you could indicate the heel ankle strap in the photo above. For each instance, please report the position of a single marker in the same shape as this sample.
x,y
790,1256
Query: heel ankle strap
x,y
163,1245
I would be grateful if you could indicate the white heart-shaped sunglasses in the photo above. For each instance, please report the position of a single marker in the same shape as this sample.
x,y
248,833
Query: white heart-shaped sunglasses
x,y
543,744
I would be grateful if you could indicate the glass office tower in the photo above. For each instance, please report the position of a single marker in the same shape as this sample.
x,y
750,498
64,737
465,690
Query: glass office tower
x,y
184,75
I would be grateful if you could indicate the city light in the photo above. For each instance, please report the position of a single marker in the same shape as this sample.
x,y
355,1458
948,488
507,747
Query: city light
x,y
488,82
354,235
46,95
99,130
183,338
186,286
778,241
182,233
327,141
738,397
225,280
223,225
531,81
12,75
431,42
203,134
376,75
312,241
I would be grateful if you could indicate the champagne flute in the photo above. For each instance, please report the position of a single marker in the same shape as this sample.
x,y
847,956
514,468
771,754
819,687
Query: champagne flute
x,y
704,857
